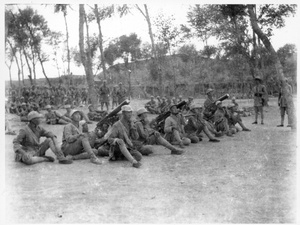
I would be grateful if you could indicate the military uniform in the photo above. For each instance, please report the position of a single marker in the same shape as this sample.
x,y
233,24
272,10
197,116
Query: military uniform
x,y
151,106
121,93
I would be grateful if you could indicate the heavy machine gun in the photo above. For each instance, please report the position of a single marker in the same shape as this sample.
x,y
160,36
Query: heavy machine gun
x,y
210,110
159,122
112,117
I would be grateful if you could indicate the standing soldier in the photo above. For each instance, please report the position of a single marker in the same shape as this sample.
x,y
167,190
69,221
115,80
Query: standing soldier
x,y
259,100
27,145
114,98
104,95
283,106
121,93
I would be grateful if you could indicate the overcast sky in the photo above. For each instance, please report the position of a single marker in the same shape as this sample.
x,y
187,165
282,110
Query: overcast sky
x,y
115,27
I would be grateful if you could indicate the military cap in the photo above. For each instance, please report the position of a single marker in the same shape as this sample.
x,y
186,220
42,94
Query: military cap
x,y
126,108
73,111
90,105
257,78
230,105
172,105
233,98
67,106
190,97
209,90
34,114
48,107
218,102
141,111
195,107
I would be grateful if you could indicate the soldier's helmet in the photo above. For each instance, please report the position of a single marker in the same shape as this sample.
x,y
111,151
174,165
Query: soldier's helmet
x,y
141,111
34,114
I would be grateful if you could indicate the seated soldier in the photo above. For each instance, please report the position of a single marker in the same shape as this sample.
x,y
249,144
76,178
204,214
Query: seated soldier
x,y
94,115
120,137
54,117
27,145
75,143
196,124
23,112
220,120
149,137
8,129
13,108
83,116
234,118
174,131
162,106
151,106
158,100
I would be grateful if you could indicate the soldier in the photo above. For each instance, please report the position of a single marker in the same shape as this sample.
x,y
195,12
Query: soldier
x,y
196,124
151,106
121,93
174,101
234,118
23,112
104,95
54,117
259,101
162,105
220,120
283,106
93,115
114,98
167,105
209,102
120,137
27,145
149,137
75,143
83,116
158,100
174,128
180,98
188,104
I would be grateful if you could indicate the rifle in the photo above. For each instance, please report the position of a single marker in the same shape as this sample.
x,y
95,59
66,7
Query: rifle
x,y
210,110
112,117
159,122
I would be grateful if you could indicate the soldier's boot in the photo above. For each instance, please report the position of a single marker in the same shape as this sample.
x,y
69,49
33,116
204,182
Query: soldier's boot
x,y
128,156
168,145
146,149
87,147
102,151
243,126
209,135
58,153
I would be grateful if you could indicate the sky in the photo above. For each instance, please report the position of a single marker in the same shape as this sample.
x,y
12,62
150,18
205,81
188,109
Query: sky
x,y
134,22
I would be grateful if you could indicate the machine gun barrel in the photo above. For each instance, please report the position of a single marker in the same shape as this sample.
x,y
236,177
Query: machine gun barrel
x,y
112,114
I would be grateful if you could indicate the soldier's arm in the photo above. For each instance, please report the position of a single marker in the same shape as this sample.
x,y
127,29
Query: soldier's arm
x,y
141,130
18,140
68,134
168,125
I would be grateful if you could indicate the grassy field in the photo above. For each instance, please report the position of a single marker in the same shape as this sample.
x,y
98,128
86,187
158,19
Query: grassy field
x,y
248,178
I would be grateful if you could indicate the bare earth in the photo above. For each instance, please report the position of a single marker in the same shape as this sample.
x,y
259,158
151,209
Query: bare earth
x,y
248,178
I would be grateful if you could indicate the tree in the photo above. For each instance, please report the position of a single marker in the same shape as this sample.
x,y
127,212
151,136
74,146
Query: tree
x,y
55,41
86,58
63,8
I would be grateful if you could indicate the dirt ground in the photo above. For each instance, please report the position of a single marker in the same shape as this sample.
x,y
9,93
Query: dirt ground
x,y
248,178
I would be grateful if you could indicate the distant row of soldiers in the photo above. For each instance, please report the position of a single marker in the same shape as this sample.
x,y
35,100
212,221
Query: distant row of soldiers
x,y
61,95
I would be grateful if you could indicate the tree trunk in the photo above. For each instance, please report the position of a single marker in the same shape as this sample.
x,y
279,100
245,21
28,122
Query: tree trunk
x,y
17,61
68,49
278,65
100,41
41,62
22,70
86,58
153,48
28,65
